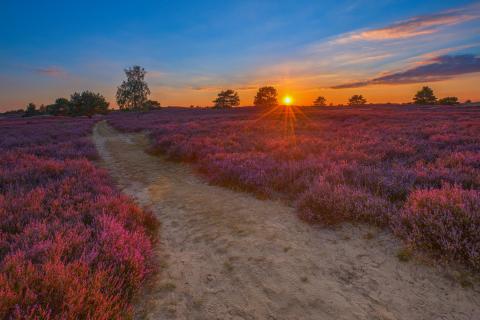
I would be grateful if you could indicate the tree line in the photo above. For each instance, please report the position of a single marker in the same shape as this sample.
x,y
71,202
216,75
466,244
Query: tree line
x,y
267,97
86,103
132,95
133,92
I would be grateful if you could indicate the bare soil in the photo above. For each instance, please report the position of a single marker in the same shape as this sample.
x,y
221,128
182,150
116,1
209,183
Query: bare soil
x,y
227,255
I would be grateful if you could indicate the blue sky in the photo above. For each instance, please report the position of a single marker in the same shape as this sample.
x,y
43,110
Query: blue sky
x,y
192,49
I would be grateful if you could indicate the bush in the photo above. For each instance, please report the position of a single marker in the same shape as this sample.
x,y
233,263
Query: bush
x,y
336,165
330,204
444,221
87,104
449,101
71,246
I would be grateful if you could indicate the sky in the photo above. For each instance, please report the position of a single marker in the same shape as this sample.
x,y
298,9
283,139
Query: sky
x,y
385,50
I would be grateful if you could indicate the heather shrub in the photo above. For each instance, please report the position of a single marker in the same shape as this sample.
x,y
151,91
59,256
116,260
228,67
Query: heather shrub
x,y
335,165
444,221
71,246
331,204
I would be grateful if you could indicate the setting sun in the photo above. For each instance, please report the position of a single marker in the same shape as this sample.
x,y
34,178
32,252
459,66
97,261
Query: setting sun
x,y
287,100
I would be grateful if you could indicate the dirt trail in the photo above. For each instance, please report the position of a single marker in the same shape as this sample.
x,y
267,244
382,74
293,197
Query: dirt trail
x,y
228,255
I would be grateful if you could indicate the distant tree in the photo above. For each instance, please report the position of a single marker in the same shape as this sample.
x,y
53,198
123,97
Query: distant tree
x,y
266,97
87,104
59,108
450,101
320,102
151,105
133,92
31,110
425,96
42,109
468,101
227,99
18,112
357,100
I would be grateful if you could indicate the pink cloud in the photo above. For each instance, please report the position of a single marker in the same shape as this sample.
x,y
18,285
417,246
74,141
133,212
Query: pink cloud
x,y
50,71
416,26
435,69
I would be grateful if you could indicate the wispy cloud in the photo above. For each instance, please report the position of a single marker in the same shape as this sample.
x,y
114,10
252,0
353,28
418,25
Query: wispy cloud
x,y
247,88
413,27
436,69
204,88
50,71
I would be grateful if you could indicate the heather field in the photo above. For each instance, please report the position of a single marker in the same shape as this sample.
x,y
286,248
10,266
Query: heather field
x,y
240,160
413,170
71,246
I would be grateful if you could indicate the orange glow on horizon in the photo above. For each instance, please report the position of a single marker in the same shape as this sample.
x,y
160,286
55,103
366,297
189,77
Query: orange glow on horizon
x,y
464,87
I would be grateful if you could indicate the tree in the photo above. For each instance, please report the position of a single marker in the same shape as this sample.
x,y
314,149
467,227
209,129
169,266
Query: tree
x,y
87,104
151,105
42,109
227,99
31,110
61,107
320,102
357,100
449,101
132,93
266,97
425,96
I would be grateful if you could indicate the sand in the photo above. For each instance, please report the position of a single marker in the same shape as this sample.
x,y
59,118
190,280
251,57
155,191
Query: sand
x,y
227,255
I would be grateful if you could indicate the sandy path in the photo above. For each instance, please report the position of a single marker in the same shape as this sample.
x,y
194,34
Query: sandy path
x,y
227,255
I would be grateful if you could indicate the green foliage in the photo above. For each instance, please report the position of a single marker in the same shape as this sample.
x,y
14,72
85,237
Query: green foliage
x,y
320,102
227,99
61,107
425,97
357,100
449,101
151,105
266,97
87,104
132,93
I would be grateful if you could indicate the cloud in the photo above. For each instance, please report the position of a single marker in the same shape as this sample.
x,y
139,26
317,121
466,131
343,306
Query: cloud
x,y
219,87
416,26
50,71
247,88
435,69
206,88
